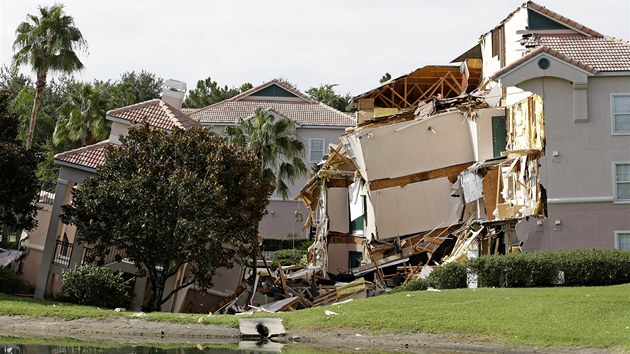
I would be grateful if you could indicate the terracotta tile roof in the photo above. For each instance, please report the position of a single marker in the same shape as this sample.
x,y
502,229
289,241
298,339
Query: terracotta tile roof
x,y
90,157
156,113
593,54
302,113
600,53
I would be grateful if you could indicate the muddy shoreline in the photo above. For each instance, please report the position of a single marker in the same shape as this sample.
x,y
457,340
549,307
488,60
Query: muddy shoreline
x,y
138,332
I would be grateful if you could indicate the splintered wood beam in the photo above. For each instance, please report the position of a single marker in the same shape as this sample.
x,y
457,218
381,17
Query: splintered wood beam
x,y
418,177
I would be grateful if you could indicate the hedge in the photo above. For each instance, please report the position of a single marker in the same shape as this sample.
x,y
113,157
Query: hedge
x,y
590,267
11,283
96,286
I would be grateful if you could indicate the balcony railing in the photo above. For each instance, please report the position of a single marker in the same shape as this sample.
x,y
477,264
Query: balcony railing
x,y
113,255
63,252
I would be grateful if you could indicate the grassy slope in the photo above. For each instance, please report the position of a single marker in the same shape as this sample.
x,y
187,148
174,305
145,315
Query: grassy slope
x,y
588,317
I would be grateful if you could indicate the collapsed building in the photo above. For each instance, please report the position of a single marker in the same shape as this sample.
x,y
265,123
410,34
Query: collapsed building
x,y
427,185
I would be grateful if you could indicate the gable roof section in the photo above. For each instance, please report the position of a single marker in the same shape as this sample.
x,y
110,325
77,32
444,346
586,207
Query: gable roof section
x,y
304,111
87,158
274,87
156,113
561,19
566,22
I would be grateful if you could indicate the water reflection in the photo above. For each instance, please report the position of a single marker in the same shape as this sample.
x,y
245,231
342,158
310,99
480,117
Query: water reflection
x,y
55,349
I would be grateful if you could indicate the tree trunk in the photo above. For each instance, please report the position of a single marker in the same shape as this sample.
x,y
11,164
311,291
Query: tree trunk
x,y
39,91
5,237
254,271
156,295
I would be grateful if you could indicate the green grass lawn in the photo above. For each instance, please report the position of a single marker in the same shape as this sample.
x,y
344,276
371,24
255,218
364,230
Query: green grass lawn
x,y
596,317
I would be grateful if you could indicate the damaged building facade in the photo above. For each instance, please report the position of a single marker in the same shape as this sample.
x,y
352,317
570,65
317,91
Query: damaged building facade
x,y
426,186
492,170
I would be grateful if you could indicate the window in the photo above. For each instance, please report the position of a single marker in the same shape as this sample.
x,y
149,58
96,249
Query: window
x,y
622,181
620,108
622,240
316,150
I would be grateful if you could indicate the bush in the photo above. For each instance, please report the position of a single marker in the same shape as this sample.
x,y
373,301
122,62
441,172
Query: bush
x,y
11,283
412,285
581,268
288,257
448,276
96,286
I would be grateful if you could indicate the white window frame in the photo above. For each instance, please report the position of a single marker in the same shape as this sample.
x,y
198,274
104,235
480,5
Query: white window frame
x,y
615,182
310,148
612,114
617,233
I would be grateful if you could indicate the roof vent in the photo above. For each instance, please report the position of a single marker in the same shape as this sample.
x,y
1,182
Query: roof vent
x,y
173,93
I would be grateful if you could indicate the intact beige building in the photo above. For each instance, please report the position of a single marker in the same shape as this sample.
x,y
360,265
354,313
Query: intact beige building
x,y
583,77
316,125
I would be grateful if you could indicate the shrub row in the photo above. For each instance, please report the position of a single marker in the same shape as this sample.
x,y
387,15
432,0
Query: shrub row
x,y
11,283
96,286
288,257
536,269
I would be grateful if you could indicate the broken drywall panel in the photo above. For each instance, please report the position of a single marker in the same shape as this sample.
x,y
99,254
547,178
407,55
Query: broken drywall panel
x,y
471,183
337,209
422,145
416,207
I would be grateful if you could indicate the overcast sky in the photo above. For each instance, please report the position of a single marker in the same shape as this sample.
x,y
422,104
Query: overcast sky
x,y
348,42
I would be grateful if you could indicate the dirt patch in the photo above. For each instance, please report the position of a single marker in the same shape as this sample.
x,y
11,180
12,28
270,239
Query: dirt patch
x,y
136,331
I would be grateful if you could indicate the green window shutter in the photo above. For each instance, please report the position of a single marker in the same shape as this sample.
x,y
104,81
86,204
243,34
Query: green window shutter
x,y
499,135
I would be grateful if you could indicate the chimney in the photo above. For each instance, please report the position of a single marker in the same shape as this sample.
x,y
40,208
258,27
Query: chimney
x,y
174,92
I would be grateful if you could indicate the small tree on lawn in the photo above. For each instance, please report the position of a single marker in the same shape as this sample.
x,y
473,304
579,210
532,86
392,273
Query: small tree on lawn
x,y
18,184
171,200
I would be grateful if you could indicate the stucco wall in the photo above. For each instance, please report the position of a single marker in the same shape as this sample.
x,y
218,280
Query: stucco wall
x,y
338,256
582,169
585,225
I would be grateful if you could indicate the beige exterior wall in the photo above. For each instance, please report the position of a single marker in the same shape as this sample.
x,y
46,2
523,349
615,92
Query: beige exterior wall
x,y
34,245
584,225
338,256
579,180
280,221
513,50
338,210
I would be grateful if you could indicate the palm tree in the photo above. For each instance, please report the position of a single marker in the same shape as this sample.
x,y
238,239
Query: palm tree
x,y
276,144
47,43
82,117
280,152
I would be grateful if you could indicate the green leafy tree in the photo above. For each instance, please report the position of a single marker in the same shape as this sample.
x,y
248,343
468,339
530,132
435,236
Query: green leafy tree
x,y
18,184
208,92
170,200
47,43
275,143
327,95
385,78
82,117
144,86
12,80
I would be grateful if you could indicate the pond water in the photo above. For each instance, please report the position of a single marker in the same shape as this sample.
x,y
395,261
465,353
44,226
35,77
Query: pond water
x,y
78,349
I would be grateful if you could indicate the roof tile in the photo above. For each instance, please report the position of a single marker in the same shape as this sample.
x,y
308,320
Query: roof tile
x,y
91,156
156,113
